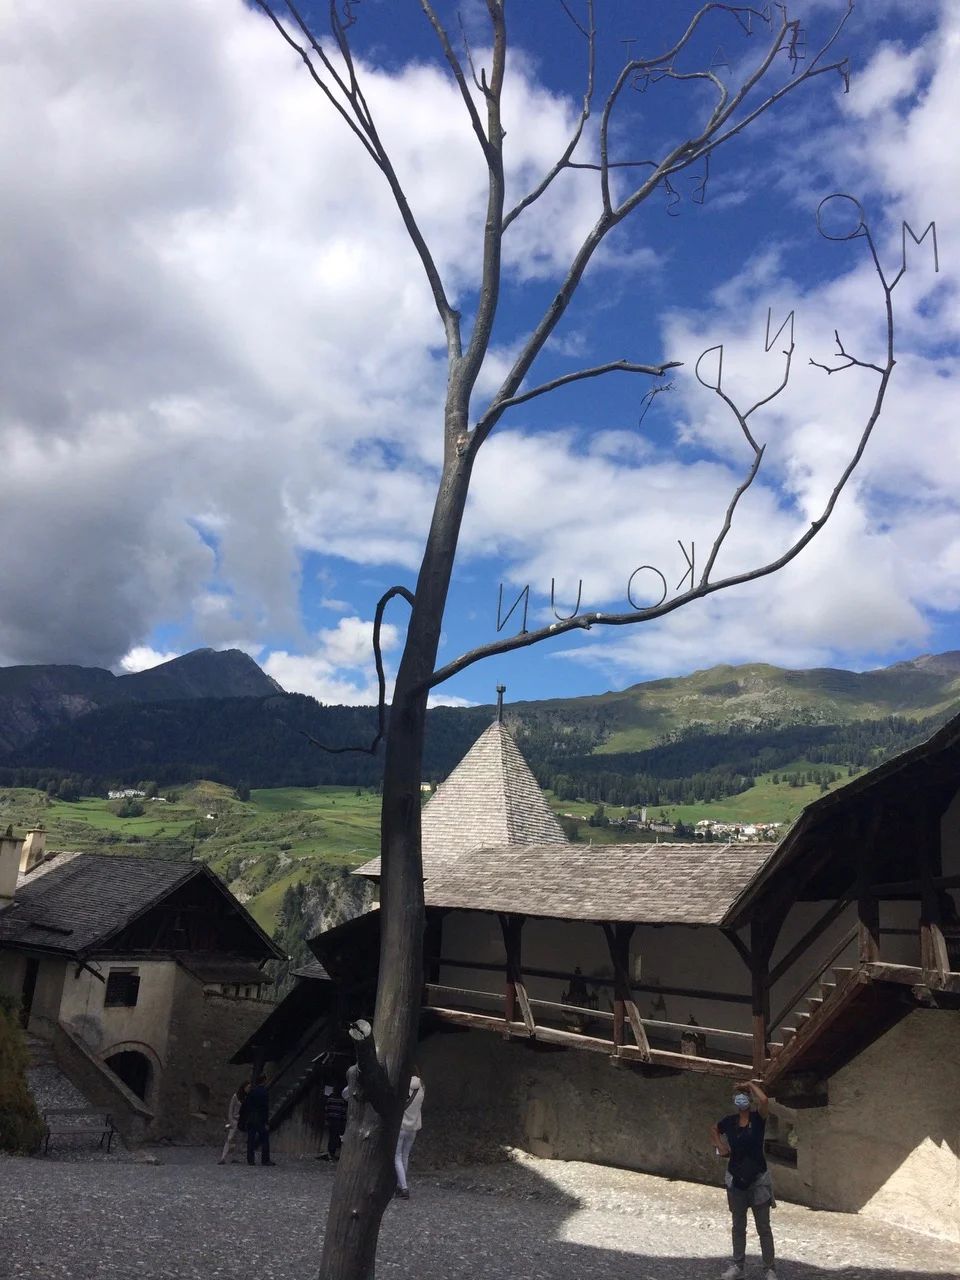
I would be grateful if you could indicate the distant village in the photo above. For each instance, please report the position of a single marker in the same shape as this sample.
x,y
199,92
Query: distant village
x,y
707,829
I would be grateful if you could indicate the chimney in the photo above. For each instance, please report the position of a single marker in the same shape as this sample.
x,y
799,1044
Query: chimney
x,y
10,851
33,849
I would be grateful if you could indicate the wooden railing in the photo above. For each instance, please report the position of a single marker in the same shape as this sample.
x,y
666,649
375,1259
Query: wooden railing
x,y
564,1012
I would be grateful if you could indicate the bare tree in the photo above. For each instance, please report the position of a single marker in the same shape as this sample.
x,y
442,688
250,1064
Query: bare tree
x,y
365,1179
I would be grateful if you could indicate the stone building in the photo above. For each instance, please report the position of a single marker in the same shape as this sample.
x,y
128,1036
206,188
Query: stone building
x,y
143,975
598,1002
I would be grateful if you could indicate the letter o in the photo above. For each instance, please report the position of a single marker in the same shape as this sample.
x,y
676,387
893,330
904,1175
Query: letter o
x,y
641,607
861,217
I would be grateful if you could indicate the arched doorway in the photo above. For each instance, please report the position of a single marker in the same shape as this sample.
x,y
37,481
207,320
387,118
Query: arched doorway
x,y
134,1069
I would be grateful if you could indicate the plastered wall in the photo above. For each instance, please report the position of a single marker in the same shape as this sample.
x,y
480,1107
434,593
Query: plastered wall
x,y
143,1027
888,1144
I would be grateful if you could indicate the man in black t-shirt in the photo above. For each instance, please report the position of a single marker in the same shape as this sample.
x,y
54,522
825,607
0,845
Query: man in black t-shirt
x,y
739,1138
257,1114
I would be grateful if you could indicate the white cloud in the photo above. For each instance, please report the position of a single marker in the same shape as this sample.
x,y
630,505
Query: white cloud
x,y
219,348
219,352
141,658
449,700
340,669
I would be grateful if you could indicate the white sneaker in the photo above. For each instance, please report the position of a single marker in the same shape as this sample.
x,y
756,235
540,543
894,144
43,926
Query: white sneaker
x,y
733,1272
770,1275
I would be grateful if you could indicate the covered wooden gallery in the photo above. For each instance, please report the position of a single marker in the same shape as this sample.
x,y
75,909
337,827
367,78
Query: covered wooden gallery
x,y
595,1002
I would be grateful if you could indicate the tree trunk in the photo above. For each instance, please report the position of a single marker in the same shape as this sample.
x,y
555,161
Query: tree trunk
x,y
365,1179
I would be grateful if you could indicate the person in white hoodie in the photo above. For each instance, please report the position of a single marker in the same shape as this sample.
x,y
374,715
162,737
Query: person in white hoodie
x,y
409,1128
233,1118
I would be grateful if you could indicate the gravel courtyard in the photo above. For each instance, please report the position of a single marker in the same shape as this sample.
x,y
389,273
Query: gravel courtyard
x,y
186,1218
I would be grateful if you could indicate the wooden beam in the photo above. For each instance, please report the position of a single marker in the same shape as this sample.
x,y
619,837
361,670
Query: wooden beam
x,y
590,1044
909,975
709,1066
618,944
636,1026
524,1003
476,1021
742,950
762,941
933,948
913,887
441,989
808,939
512,929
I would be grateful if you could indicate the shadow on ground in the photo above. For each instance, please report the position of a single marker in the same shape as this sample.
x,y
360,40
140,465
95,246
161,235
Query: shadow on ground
x,y
190,1219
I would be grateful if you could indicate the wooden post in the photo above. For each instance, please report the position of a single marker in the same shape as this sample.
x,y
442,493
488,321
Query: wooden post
x,y
433,944
618,942
762,941
933,947
868,904
512,927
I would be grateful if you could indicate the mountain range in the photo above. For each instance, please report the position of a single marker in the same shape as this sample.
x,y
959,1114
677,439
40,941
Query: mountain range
x,y
36,699
217,715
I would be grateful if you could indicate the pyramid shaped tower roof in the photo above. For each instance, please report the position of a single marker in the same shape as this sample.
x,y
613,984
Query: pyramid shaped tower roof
x,y
491,799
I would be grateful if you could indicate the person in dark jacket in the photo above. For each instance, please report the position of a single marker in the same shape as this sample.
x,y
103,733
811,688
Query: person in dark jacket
x,y
335,1118
255,1113
739,1138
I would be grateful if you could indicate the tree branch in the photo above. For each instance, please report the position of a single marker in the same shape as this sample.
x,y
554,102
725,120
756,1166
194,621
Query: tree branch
x,y
565,159
381,681
490,277
373,1086
852,361
614,366
584,622
681,157
461,79
359,118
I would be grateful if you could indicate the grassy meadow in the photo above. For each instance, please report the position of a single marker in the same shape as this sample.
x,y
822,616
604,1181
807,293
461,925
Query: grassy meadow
x,y
263,845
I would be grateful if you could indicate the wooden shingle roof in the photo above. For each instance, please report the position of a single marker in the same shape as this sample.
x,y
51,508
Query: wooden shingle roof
x,y
79,905
693,884
491,799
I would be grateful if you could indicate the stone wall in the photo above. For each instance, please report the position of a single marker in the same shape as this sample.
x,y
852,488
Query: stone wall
x,y
205,1031
887,1145
484,1094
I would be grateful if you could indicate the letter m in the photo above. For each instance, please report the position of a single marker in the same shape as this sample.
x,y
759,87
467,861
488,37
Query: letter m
x,y
918,240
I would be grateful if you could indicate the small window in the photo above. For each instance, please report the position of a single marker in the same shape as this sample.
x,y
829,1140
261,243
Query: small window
x,y
201,1101
123,986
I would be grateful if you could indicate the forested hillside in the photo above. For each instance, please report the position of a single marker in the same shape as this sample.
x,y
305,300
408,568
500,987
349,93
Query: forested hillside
x,y
256,742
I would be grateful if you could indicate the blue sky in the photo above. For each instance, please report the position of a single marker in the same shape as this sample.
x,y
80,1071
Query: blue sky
x,y
223,376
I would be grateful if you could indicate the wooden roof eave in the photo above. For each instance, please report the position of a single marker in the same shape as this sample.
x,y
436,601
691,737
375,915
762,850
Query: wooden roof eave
x,y
861,792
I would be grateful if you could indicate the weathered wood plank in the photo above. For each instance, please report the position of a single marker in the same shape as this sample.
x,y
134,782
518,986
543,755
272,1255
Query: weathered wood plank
x,y
636,1026
526,1011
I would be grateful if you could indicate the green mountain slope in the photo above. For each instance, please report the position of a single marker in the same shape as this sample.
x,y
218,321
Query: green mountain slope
x,y
689,740
755,696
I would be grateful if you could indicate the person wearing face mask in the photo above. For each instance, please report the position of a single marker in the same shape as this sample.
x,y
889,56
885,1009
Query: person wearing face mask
x,y
739,1139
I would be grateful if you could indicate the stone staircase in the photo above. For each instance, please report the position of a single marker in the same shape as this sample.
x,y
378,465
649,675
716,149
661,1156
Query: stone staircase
x,y
40,1051
75,1124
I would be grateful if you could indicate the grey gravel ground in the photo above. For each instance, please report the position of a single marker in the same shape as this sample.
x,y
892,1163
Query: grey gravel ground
x,y
191,1219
